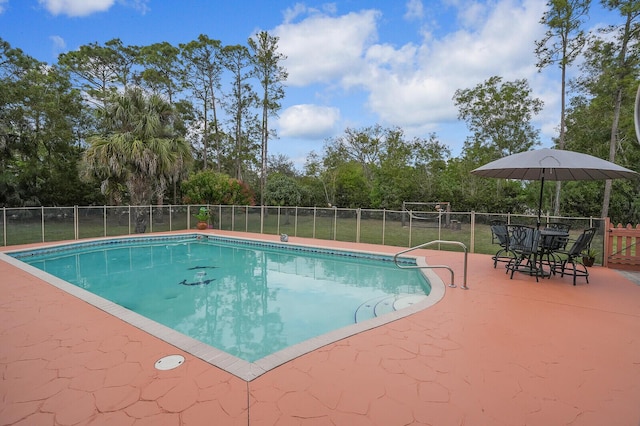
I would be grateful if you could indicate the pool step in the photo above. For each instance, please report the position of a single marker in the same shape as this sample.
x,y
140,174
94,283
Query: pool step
x,y
385,304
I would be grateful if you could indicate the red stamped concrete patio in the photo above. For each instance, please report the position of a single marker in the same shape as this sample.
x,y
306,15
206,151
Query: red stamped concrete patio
x,y
504,352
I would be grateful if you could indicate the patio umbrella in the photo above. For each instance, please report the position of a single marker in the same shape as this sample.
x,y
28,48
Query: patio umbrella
x,y
552,164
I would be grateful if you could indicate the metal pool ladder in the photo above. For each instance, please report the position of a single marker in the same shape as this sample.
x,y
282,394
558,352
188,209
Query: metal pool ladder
x,y
457,243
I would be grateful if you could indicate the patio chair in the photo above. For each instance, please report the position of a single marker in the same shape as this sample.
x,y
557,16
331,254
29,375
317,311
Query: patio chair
x,y
552,241
524,242
500,236
578,269
559,226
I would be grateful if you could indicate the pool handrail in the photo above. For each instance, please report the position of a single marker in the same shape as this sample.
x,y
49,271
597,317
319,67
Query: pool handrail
x,y
458,243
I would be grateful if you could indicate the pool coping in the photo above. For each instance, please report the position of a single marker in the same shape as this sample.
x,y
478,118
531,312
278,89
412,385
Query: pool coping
x,y
240,368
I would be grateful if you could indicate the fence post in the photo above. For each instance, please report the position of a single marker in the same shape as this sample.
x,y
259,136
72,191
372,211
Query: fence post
x,y
42,222
4,225
607,246
473,232
104,219
335,223
358,216
278,223
314,221
76,231
295,224
384,223
150,218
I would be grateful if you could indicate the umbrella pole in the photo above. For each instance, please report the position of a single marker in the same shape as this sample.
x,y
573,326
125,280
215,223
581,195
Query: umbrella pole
x,y
540,201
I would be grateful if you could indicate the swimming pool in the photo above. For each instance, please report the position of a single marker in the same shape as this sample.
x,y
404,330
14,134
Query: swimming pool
x,y
246,304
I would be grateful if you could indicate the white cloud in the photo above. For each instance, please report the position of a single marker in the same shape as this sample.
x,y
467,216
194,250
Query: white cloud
x,y
139,5
59,45
79,8
2,5
308,121
292,13
76,7
415,10
472,14
322,48
412,85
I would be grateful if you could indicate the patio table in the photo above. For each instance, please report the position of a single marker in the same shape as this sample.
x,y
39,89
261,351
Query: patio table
x,y
551,240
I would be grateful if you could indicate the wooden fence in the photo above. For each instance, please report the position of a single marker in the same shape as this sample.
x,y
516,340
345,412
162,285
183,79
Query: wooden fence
x,y
621,247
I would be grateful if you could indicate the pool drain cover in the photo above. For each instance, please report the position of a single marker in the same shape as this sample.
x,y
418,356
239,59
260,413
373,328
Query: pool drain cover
x,y
169,362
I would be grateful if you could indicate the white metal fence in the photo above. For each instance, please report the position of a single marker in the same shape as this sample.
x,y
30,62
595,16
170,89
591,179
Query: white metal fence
x,y
390,227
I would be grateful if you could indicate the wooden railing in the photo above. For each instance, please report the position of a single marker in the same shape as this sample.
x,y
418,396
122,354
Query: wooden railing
x,y
621,246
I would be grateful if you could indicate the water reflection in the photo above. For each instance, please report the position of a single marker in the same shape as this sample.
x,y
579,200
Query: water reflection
x,y
247,301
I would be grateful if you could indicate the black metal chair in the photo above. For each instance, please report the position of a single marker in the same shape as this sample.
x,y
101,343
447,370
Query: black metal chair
x,y
524,242
552,241
500,236
560,227
576,250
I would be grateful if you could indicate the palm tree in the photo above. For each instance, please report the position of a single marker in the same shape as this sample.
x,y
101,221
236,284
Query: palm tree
x,y
140,150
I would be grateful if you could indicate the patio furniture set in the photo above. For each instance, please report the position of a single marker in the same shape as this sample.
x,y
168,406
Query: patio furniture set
x,y
542,253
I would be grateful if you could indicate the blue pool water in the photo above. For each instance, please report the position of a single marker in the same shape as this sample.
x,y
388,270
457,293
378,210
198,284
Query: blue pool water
x,y
249,299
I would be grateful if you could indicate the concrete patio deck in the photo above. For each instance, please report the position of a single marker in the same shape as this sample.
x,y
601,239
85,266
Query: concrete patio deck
x,y
504,352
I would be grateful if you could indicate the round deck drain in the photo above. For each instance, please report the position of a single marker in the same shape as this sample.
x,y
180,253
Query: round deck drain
x,y
169,362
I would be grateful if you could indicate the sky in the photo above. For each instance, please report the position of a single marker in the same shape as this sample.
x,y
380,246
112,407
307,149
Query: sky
x,y
351,63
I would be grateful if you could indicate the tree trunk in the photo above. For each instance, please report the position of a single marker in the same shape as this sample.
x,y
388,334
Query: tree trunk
x,y
623,67
556,207
606,199
265,139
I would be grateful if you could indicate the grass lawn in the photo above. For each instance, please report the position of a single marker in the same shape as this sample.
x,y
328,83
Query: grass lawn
x,y
375,227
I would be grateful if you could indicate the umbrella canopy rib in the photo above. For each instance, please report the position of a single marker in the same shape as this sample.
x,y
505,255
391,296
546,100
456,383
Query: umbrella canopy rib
x,y
552,164
559,165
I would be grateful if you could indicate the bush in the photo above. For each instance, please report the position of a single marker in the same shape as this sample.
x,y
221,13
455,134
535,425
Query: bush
x,y
208,187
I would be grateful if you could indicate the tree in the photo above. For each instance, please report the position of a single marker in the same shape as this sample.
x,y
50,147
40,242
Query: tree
x,y
162,72
267,68
499,115
239,105
600,121
125,59
376,167
95,69
561,44
363,146
211,187
624,67
282,190
204,71
282,164
407,170
41,116
319,179
141,149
